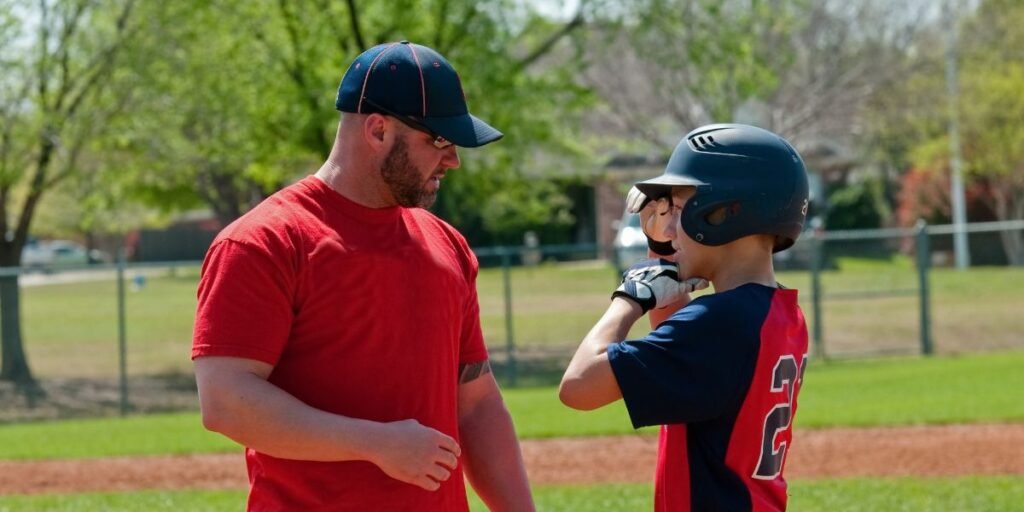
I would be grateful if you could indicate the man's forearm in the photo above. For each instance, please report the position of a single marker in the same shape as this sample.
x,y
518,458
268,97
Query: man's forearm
x,y
492,459
238,401
259,415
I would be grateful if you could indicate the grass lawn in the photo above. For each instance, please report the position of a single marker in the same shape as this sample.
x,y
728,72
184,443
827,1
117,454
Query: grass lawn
x,y
971,388
937,390
70,330
992,494
154,434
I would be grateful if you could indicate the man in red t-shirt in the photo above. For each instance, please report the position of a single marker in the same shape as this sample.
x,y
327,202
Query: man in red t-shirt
x,y
337,335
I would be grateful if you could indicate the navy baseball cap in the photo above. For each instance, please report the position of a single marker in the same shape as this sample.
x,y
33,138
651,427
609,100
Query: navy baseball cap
x,y
411,80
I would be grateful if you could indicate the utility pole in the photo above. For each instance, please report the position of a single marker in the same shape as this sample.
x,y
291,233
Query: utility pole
x,y
956,193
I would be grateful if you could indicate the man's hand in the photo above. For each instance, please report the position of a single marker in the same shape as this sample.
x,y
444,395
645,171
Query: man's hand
x,y
415,454
655,283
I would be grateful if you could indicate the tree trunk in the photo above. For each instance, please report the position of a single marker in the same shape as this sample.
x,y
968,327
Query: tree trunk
x,y
1013,239
1013,244
1010,207
15,364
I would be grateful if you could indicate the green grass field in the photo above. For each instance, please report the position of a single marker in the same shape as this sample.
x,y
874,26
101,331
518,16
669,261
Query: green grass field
x,y
991,494
945,389
904,391
553,304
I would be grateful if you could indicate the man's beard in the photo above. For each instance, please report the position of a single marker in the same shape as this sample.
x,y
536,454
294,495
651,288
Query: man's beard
x,y
403,179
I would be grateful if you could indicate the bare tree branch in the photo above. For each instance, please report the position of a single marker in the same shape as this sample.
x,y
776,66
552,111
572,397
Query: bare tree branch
x,y
69,166
460,33
544,47
343,43
442,16
70,26
296,69
353,18
42,76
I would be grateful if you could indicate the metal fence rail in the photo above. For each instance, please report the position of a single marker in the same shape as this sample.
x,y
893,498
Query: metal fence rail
x,y
921,291
865,292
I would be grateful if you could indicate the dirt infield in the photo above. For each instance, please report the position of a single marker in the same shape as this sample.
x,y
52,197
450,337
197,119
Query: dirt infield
x,y
846,452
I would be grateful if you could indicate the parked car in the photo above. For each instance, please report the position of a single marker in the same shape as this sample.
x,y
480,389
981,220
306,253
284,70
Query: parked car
x,y
630,243
48,254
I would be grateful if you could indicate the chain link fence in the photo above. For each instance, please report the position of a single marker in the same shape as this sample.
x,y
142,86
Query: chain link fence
x,y
116,338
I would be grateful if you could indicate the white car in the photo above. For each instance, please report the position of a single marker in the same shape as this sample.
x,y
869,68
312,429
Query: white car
x,y
47,254
630,243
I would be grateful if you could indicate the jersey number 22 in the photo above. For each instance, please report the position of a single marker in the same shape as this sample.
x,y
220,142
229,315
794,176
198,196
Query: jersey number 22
x,y
787,376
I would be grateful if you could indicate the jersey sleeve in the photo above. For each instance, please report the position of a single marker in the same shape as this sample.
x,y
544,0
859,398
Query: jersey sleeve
x,y
245,304
692,367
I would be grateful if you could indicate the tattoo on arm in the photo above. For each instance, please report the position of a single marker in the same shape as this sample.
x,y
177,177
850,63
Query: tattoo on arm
x,y
470,372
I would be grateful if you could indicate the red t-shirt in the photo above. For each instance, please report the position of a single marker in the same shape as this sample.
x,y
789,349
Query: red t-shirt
x,y
363,312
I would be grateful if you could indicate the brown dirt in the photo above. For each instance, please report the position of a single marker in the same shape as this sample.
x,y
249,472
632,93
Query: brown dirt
x,y
847,452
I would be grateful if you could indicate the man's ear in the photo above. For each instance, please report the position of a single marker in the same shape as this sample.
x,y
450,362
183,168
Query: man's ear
x,y
376,131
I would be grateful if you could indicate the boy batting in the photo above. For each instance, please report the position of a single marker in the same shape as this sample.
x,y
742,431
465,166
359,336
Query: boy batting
x,y
721,372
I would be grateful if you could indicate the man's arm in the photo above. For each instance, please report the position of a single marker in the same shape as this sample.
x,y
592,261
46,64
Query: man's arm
x,y
237,400
493,461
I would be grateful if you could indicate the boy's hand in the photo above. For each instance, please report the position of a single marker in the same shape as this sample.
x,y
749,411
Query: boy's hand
x,y
636,200
655,283
651,220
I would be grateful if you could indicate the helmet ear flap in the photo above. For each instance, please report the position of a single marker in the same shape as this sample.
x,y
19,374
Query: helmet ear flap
x,y
719,215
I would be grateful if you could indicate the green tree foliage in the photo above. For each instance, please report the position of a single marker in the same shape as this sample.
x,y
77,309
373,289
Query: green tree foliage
x,y
991,113
241,100
182,104
57,58
669,66
860,205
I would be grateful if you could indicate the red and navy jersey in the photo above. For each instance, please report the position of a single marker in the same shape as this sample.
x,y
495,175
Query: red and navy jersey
x,y
721,376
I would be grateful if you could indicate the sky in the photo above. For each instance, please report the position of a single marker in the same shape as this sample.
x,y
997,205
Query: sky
x,y
556,9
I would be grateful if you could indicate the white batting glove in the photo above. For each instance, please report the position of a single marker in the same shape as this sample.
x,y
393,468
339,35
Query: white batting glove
x,y
655,283
651,221
636,200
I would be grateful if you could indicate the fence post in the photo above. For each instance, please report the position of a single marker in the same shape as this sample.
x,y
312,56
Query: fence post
x,y
923,266
510,343
122,349
817,258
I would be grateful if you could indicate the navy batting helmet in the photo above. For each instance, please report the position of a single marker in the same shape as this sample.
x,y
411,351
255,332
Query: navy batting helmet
x,y
749,181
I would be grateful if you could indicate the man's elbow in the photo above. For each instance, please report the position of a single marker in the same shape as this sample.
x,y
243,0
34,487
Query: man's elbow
x,y
212,418
214,411
572,393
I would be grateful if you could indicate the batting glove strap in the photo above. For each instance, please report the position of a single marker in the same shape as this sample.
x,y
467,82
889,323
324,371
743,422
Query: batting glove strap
x,y
636,201
652,283
639,293
660,248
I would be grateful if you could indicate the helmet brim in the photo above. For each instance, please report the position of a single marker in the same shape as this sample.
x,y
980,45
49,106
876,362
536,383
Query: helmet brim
x,y
663,184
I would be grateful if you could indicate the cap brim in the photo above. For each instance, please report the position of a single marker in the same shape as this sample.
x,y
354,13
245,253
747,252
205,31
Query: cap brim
x,y
466,131
654,185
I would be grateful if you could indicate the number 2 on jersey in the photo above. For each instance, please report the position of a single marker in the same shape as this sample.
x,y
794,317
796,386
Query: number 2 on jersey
x,y
787,376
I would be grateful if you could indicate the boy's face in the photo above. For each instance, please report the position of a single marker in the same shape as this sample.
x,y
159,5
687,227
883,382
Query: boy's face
x,y
691,257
